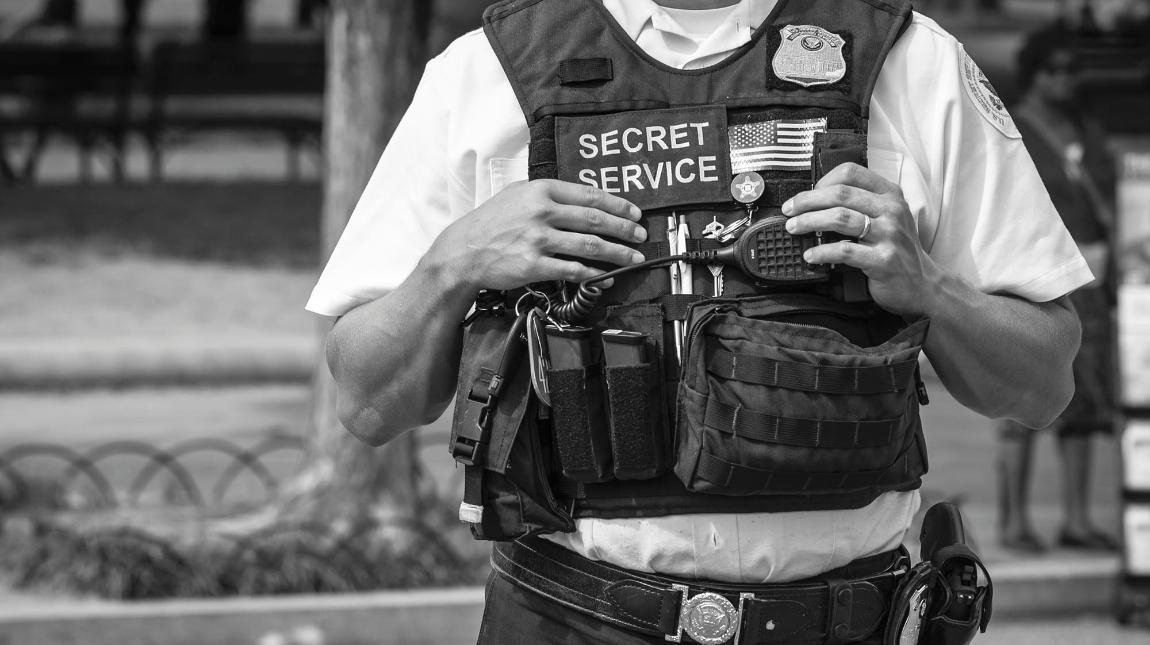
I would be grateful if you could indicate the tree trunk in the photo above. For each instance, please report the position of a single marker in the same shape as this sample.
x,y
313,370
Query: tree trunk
x,y
59,13
225,20
376,51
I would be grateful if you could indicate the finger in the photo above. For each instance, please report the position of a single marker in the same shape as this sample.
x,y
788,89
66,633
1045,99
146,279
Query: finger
x,y
568,270
565,192
840,219
587,219
843,252
834,196
591,247
852,174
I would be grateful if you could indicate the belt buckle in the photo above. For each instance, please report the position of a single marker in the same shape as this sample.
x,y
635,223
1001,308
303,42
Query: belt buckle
x,y
708,618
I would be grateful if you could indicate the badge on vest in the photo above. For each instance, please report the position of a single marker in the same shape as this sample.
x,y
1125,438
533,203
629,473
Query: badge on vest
x,y
809,55
652,158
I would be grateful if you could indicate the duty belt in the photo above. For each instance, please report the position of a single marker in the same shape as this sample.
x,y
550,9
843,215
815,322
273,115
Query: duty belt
x,y
846,605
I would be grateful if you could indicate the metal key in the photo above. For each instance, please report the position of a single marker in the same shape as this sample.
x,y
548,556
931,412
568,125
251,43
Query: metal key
x,y
718,232
729,231
716,279
713,229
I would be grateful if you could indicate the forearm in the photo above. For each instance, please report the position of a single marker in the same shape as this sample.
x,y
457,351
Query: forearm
x,y
395,359
1000,355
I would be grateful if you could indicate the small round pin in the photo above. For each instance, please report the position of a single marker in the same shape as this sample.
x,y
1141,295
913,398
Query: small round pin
x,y
748,187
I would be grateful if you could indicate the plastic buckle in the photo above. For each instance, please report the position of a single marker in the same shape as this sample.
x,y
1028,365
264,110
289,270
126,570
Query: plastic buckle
x,y
465,446
464,451
708,618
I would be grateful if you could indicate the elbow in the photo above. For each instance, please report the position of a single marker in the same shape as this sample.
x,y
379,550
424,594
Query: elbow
x,y
1046,401
376,419
363,421
1043,408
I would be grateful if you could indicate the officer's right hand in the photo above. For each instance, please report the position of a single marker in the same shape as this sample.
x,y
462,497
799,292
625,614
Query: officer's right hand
x,y
516,237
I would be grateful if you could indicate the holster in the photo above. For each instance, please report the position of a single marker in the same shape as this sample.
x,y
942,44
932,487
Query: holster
x,y
947,598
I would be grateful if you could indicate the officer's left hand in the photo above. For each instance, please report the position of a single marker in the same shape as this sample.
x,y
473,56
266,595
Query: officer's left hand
x,y
890,253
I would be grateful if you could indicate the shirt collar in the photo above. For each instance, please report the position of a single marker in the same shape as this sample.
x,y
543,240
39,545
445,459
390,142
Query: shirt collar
x,y
635,15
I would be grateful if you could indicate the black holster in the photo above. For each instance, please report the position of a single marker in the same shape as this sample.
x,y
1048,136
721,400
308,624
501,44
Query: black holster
x,y
947,598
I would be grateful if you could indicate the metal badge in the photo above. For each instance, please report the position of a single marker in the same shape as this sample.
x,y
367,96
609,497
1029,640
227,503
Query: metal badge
x,y
709,618
809,55
911,629
748,187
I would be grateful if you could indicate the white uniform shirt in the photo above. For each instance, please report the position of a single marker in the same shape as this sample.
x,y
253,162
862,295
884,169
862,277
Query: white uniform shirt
x,y
981,210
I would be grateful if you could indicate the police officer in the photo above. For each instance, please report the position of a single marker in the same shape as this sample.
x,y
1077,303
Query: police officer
x,y
948,221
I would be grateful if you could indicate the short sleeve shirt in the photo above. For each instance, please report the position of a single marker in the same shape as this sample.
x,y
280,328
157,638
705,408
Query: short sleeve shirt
x,y
935,129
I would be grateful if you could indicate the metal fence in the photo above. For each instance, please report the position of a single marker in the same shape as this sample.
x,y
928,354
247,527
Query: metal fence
x,y
131,520
207,473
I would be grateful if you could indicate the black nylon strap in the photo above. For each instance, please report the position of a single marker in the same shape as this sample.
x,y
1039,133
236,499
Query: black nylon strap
x,y
746,478
702,244
583,70
876,379
806,433
676,306
660,249
653,250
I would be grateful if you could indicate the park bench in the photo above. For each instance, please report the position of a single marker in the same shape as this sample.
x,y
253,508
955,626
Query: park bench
x,y
195,87
79,91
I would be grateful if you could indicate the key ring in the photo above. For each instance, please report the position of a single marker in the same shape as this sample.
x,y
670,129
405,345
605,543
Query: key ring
x,y
539,296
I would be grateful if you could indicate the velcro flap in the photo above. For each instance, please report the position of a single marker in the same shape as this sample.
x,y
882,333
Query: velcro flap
x,y
652,158
585,70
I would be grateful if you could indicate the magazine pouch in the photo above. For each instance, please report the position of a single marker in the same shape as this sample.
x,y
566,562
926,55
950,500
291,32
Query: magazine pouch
x,y
640,436
797,393
579,419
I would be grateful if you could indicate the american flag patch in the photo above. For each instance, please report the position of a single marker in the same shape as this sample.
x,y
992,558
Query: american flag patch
x,y
786,144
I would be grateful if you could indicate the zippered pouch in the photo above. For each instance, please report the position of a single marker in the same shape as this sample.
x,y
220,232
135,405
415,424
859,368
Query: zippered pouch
x,y
795,393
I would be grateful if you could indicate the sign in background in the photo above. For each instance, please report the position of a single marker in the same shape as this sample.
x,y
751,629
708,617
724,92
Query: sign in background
x,y
1131,247
1132,250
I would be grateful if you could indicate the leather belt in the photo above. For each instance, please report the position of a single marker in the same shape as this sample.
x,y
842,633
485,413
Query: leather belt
x,y
846,605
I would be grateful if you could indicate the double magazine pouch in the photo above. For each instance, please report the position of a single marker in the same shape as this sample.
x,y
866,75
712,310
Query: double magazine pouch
x,y
578,411
606,399
795,392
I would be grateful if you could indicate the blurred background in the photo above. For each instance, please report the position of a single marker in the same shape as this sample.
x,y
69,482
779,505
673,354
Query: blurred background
x,y
172,176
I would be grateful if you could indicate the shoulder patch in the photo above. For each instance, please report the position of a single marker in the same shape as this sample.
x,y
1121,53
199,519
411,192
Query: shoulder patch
x,y
985,98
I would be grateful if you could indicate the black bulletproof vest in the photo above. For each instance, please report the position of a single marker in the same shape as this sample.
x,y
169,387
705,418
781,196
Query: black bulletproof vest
x,y
796,394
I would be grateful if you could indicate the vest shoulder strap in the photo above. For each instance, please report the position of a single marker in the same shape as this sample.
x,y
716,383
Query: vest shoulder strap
x,y
571,57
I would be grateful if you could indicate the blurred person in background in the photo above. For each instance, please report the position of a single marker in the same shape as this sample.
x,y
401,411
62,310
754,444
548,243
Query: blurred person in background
x,y
1069,150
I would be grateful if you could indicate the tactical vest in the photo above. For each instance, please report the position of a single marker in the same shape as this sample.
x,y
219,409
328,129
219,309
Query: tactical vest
x,y
792,391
